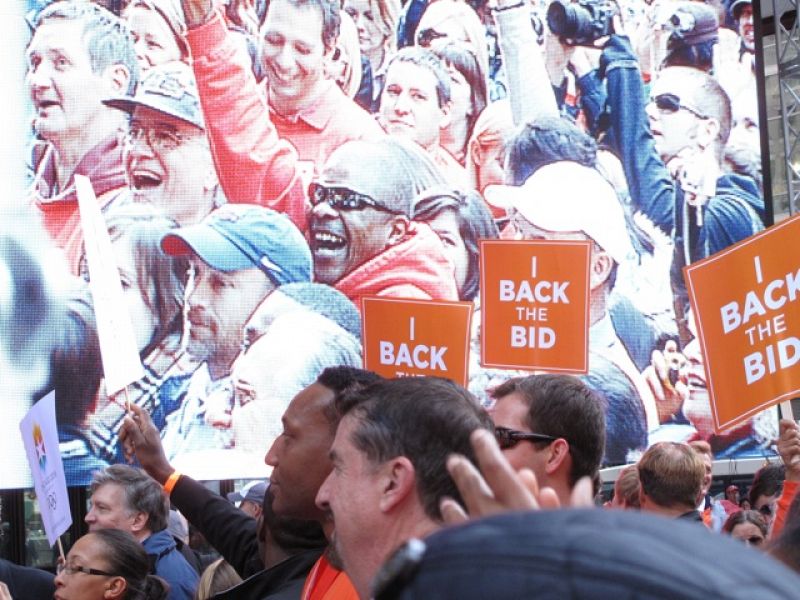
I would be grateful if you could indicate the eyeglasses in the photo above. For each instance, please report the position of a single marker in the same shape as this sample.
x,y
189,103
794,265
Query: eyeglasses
x,y
342,198
72,569
508,438
159,139
755,540
672,103
766,510
426,36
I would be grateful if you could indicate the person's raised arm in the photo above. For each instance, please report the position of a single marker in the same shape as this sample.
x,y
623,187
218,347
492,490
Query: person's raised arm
x,y
229,530
529,91
254,165
789,449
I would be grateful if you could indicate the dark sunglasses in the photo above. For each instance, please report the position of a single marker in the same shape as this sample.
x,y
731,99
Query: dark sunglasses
x,y
342,198
508,438
755,540
672,103
426,36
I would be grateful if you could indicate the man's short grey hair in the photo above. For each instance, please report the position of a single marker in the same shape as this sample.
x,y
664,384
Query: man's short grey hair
x,y
142,493
307,343
107,38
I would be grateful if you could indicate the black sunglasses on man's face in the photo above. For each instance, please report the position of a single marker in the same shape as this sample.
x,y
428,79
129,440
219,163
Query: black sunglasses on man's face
x,y
508,438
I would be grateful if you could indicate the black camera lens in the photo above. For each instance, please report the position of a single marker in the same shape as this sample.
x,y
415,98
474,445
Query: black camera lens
x,y
568,20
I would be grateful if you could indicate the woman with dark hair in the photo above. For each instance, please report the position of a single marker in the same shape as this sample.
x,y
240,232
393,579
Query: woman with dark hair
x,y
467,96
108,564
748,526
460,219
153,287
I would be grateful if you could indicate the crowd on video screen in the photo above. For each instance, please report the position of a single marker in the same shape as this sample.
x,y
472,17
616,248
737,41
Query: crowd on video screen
x,y
263,165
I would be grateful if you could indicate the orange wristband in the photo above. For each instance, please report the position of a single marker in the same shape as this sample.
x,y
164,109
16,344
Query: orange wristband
x,y
171,481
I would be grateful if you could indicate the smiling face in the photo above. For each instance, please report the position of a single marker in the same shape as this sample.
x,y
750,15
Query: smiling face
x,y
299,456
169,165
65,92
342,239
410,106
154,41
293,52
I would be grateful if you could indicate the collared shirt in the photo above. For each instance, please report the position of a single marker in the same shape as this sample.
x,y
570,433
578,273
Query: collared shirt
x,y
330,121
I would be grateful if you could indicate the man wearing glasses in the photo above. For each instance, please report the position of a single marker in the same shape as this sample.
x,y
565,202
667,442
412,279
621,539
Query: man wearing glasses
x,y
360,231
167,157
674,167
79,54
553,425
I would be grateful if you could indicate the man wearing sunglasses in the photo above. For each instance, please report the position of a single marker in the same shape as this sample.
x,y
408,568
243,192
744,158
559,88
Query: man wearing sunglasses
x,y
361,235
674,167
553,425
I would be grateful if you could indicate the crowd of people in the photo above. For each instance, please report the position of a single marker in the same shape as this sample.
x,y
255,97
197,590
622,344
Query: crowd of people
x,y
365,147
263,166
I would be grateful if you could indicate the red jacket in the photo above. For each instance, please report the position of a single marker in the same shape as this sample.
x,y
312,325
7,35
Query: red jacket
x,y
415,268
59,211
257,153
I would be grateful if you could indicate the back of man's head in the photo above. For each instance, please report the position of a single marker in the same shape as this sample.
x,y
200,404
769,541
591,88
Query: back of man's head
x,y
141,492
106,37
671,475
562,406
424,419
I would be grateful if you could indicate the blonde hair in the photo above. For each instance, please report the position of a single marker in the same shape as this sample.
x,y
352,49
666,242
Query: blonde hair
x,y
217,577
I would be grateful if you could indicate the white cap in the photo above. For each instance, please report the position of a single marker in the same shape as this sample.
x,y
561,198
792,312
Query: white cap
x,y
566,196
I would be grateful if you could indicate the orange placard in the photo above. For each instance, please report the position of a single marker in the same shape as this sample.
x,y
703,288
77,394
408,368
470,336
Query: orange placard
x,y
746,303
535,305
409,338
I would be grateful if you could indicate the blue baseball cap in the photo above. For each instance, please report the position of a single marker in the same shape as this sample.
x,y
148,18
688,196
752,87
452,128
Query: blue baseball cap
x,y
242,236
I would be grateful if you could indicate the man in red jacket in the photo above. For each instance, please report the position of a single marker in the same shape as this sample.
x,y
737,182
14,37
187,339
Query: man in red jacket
x,y
79,54
360,232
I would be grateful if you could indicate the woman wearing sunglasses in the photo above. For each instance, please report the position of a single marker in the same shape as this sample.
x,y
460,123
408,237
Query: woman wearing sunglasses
x,y
107,564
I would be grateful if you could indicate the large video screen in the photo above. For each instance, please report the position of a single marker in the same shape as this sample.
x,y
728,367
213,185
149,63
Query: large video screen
x,y
263,167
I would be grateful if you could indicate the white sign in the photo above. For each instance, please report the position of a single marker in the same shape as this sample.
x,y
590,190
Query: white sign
x,y
40,436
121,362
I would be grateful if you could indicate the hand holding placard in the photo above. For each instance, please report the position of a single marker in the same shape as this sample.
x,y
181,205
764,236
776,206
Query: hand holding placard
x,y
789,448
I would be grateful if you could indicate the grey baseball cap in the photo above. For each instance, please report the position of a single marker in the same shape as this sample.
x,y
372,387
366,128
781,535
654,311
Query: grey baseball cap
x,y
169,89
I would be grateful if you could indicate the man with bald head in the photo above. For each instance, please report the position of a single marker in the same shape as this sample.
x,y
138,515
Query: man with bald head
x,y
361,235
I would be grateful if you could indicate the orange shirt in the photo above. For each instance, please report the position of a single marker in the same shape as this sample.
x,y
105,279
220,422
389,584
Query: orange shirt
x,y
326,582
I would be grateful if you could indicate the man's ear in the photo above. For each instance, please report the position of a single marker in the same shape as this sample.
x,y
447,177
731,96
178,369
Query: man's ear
x,y
707,132
399,230
397,480
139,522
119,78
558,456
601,266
